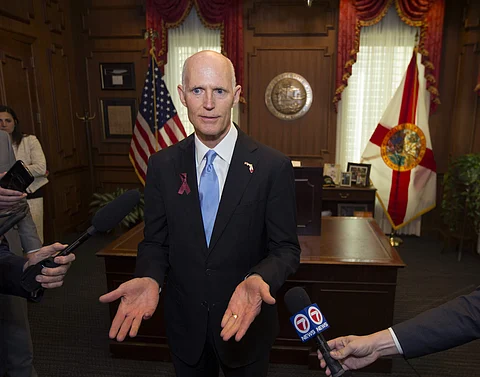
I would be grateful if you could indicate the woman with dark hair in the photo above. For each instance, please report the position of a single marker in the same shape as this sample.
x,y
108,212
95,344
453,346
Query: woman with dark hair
x,y
28,149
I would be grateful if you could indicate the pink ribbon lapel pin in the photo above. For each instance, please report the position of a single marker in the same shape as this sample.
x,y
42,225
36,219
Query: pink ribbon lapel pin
x,y
184,187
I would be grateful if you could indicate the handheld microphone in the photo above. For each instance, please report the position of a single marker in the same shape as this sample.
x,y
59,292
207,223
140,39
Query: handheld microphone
x,y
309,323
105,219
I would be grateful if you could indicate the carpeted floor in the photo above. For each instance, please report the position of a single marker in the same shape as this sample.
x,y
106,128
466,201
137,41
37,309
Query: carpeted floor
x,y
70,326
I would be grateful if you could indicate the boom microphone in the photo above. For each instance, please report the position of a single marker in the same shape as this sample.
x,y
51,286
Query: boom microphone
x,y
105,219
309,323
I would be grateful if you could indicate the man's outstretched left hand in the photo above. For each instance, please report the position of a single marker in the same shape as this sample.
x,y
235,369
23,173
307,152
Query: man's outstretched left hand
x,y
244,306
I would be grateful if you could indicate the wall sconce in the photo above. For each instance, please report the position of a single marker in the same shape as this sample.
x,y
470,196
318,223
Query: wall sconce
x,y
309,3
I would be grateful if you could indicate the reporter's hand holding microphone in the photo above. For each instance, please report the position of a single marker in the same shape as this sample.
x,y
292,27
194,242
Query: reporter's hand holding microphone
x,y
50,277
309,323
356,352
53,261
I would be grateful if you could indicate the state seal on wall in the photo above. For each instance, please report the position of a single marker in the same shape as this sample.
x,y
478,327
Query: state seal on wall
x,y
403,147
288,96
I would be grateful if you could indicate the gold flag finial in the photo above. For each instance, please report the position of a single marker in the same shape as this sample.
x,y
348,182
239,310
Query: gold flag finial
x,y
152,35
416,42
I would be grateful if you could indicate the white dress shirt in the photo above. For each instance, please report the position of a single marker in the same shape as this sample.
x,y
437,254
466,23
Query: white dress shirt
x,y
224,151
395,340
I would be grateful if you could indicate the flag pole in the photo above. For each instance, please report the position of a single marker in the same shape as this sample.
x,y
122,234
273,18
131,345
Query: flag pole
x,y
394,239
153,34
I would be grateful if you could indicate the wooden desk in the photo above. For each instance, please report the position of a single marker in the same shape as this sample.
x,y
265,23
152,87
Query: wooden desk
x,y
350,271
362,198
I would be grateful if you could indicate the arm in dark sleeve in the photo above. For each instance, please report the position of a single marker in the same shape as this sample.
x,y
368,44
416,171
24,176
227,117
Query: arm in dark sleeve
x,y
11,269
152,258
281,222
452,324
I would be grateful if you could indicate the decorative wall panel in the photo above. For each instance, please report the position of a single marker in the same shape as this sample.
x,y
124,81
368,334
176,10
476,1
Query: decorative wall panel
x,y
122,22
54,15
19,10
15,88
291,18
63,113
310,134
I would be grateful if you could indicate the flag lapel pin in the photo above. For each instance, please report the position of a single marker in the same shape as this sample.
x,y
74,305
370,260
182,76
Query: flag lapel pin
x,y
250,166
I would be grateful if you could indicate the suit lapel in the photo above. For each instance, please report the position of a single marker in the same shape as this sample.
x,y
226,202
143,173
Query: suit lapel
x,y
237,180
189,205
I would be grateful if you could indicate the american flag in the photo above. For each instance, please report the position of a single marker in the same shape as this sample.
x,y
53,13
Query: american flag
x,y
146,140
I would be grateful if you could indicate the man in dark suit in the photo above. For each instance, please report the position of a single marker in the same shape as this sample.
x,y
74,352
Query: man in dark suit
x,y
452,324
222,265
17,360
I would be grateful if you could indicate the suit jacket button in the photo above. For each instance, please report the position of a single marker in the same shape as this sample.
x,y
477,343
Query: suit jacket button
x,y
208,272
205,304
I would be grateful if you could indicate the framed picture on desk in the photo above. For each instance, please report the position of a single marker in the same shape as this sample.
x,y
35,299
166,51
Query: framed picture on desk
x,y
332,171
345,179
349,209
360,174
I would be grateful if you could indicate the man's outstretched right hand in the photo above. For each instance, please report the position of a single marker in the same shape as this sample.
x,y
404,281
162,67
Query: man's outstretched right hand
x,y
139,299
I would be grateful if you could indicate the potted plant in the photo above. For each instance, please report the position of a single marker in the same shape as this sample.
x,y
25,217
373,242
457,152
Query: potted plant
x,y
102,199
461,195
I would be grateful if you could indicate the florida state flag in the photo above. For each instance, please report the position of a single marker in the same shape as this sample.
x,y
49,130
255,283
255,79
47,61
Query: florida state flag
x,y
400,152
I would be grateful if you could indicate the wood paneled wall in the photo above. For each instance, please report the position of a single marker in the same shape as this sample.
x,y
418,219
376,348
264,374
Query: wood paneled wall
x,y
287,36
38,79
455,125
465,124
112,32
50,55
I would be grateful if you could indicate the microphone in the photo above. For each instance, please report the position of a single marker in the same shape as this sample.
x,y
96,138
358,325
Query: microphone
x,y
309,323
105,219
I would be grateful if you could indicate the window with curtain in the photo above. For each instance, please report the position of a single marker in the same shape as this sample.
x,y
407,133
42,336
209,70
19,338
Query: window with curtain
x,y
190,37
385,51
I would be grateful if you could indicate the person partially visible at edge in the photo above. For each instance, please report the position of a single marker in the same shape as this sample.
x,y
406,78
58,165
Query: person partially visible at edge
x,y
16,343
219,306
12,266
449,325
28,149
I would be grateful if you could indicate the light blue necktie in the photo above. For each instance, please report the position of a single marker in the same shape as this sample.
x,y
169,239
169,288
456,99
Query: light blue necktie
x,y
209,195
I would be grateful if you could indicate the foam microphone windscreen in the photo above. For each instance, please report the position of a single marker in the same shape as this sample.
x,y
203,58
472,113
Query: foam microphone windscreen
x,y
296,299
109,216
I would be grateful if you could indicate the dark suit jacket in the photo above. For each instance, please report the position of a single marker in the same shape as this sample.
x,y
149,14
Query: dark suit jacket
x,y
255,231
452,324
11,268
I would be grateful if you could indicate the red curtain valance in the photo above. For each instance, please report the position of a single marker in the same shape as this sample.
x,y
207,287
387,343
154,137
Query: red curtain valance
x,y
226,15
425,14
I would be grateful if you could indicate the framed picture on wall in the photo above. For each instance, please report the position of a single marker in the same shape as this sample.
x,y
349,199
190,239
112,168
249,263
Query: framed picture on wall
x,y
117,76
360,174
118,115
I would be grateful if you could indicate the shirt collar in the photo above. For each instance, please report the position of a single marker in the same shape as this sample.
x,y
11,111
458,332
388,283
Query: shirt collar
x,y
224,149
